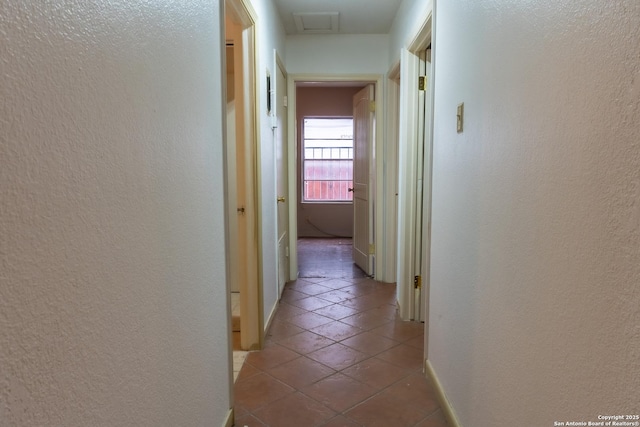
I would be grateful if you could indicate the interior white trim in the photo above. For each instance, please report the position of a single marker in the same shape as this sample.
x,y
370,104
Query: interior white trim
x,y
407,176
272,315
230,418
242,11
407,154
445,404
422,38
420,43
391,173
279,64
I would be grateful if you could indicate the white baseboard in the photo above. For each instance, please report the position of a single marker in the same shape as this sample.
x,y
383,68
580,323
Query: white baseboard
x,y
267,325
447,409
228,422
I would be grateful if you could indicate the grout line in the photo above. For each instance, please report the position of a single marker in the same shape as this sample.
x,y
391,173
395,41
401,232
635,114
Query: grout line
x,y
375,305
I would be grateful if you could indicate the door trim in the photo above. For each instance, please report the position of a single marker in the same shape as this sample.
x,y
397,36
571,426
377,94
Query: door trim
x,y
279,65
422,40
363,200
407,177
252,335
378,81
391,182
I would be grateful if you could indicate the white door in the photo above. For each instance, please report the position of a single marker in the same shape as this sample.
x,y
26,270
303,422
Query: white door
x,y
414,185
422,185
232,194
363,137
282,202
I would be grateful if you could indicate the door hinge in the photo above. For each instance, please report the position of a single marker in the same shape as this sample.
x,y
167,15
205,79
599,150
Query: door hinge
x,y
372,249
417,282
372,106
422,83
285,100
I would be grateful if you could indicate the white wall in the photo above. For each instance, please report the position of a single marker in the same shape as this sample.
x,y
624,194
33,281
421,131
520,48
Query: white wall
x,y
112,286
270,36
536,210
410,16
337,54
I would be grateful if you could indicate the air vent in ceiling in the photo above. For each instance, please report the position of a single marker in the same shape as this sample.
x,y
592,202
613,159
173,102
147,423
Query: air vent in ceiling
x,y
316,23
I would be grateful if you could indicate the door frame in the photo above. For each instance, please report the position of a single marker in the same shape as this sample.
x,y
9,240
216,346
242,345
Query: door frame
x,y
407,208
379,196
279,65
362,255
391,182
251,307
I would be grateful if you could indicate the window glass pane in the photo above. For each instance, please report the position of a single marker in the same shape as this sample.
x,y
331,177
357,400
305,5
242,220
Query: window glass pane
x,y
338,170
327,191
327,169
328,128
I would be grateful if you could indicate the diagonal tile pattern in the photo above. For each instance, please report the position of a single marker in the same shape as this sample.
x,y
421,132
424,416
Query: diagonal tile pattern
x,y
337,355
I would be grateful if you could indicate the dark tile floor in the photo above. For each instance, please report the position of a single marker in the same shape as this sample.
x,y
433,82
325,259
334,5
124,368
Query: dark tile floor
x,y
326,258
336,353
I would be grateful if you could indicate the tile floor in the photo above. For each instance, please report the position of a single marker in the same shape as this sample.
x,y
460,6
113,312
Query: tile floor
x,y
238,354
337,355
326,258
235,309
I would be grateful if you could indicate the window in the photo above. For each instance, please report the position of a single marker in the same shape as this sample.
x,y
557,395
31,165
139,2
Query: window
x,y
327,160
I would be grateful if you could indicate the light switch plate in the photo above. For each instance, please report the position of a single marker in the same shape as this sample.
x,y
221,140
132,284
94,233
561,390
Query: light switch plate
x,y
460,118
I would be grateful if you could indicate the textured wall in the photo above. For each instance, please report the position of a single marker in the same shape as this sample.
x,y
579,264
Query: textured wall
x,y
337,54
112,282
535,310
409,18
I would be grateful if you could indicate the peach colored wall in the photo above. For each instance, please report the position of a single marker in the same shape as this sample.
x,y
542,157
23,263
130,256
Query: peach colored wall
x,y
336,219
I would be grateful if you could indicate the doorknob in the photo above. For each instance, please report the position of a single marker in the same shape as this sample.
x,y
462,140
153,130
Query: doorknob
x,y
281,199
350,190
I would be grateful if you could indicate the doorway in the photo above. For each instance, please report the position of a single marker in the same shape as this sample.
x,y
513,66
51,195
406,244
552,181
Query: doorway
x,y
282,176
325,209
415,92
324,98
241,177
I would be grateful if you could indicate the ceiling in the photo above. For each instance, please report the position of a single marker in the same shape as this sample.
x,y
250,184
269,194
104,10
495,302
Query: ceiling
x,y
337,16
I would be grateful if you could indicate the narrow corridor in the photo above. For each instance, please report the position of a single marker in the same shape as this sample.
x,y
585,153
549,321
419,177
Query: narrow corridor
x,y
336,353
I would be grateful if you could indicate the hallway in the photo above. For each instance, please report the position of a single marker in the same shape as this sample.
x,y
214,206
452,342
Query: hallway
x,y
336,353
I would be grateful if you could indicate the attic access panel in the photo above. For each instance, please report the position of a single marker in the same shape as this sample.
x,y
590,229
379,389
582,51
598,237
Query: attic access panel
x,y
316,22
